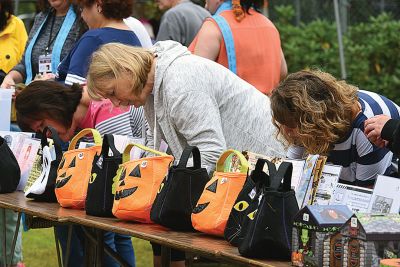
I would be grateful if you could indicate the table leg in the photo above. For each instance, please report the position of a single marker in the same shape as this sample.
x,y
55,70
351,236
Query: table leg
x,y
165,256
57,247
14,242
99,247
4,237
121,261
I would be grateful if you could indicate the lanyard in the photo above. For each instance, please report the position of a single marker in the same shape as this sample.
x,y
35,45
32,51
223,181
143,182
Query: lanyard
x,y
58,44
51,38
226,34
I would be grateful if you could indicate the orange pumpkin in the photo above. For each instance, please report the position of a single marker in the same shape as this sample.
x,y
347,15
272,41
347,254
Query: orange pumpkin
x,y
215,204
74,171
137,184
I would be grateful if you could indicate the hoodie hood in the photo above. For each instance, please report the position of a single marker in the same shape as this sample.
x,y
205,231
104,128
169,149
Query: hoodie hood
x,y
11,26
167,52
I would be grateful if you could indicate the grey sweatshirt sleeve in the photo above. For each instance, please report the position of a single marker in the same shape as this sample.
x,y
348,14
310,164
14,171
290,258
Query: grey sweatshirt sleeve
x,y
205,132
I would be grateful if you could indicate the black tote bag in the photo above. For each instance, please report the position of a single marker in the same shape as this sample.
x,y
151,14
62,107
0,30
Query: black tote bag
x,y
269,233
99,198
179,192
46,184
243,204
9,169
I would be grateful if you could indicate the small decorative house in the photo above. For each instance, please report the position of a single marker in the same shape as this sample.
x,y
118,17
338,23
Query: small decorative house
x,y
367,238
315,239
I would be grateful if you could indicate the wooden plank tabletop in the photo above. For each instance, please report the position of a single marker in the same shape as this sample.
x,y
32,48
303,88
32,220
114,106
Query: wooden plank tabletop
x,y
198,243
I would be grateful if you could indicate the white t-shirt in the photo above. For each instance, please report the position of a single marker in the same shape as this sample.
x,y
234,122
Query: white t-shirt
x,y
137,27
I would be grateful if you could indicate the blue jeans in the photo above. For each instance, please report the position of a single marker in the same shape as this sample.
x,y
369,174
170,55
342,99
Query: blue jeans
x,y
122,244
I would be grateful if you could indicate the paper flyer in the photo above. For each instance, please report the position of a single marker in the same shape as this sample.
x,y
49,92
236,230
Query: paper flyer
x,y
386,196
355,197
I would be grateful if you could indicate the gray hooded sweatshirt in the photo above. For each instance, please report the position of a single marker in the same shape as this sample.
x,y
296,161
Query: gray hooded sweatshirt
x,y
198,102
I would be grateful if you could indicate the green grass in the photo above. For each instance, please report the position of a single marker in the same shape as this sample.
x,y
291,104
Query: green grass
x,y
39,249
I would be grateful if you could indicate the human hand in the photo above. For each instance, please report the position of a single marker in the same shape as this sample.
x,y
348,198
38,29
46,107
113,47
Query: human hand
x,y
8,82
373,129
45,77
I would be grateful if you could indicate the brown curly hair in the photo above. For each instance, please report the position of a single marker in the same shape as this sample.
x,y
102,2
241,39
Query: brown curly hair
x,y
317,106
111,9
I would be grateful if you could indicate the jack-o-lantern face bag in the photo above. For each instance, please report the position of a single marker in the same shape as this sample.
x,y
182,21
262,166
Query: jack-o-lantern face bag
x,y
74,171
215,204
137,183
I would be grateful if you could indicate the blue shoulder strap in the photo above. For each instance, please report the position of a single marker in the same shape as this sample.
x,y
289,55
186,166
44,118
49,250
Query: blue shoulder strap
x,y
226,34
57,47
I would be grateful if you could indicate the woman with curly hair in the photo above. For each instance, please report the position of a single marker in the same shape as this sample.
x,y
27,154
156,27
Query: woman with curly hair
x,y
318,114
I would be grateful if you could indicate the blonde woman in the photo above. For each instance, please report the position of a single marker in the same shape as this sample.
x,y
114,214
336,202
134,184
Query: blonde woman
x,y
317,114
188,100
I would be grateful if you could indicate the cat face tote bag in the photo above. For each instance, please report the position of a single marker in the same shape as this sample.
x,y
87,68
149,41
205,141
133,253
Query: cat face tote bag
x,y
215,204
242,210
42,187
74,171
99,199
268,234
137,183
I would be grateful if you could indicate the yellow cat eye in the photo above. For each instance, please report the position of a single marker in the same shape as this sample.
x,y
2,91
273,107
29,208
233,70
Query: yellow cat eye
x,y
241,205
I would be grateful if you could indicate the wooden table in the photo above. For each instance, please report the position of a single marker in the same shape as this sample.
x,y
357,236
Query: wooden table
x,y
197,243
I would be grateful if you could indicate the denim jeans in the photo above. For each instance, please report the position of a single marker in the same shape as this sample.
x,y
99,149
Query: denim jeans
x,y
122,244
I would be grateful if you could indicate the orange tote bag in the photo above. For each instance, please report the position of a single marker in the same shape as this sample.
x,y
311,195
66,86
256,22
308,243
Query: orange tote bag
x,y
74,171
219,195
137,183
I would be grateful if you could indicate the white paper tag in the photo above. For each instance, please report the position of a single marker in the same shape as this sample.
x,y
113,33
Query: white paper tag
x,y
253,193
45,64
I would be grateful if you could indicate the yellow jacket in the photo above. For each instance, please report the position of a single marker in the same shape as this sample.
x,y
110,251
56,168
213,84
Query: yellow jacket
x,y
12,43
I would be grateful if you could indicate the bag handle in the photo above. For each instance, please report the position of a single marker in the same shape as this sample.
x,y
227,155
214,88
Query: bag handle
x,y
56,139
284,172
244,164
257,173
194,150
108,143
83,133
127,150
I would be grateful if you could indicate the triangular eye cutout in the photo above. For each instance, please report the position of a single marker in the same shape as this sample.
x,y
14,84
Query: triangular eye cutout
x,y
213,187
136,172
72,164
122,183
63,175
123,173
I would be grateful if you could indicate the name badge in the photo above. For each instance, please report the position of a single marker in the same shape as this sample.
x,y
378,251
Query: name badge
x,y
45,64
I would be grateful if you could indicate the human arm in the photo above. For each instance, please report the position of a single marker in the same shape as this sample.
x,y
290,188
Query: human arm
x,y
77,66
169,28
384,131
295,152
196,116
284,69
208,41
370,161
